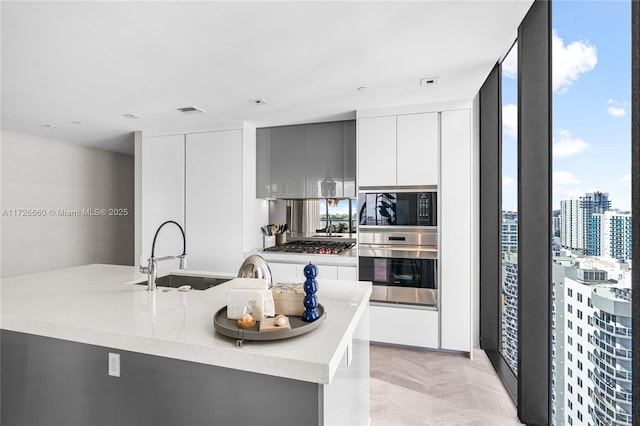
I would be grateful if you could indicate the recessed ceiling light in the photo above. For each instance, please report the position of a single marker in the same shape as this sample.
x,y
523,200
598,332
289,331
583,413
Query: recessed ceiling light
x,y
191,110
258,101
76,123
131,116
429,81
50,126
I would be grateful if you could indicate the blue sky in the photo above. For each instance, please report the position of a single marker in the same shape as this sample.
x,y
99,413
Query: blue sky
x,y
591,104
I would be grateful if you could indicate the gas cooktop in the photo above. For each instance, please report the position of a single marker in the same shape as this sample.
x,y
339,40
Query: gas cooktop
x,y
312,247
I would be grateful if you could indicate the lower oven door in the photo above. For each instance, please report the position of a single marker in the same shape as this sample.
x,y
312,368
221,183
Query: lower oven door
x,y
406,280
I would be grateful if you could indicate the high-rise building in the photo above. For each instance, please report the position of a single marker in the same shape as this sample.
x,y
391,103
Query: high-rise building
x,y
591,355
611,357
610,235
575,215
509,342
509,235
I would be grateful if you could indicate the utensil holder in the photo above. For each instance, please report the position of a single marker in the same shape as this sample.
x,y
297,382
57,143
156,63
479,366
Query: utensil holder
x,y
281,238
268,241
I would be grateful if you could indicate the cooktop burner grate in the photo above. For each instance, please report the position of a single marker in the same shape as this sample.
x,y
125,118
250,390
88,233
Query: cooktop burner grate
x,y
312,247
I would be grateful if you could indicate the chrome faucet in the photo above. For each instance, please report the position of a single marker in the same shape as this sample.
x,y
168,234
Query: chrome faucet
x,y
152,263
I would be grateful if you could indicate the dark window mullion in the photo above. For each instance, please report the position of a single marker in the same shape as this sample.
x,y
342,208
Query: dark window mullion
x,y
534,210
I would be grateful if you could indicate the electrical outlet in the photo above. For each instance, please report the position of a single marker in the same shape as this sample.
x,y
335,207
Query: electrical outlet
x,y
114,364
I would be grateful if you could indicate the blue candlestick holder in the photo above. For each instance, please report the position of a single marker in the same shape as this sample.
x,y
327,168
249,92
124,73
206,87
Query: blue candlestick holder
x,y
310,313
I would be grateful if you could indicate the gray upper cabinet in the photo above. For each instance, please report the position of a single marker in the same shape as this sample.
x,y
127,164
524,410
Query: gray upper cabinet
x,y
306,161
263,163
349,156
288,161
324,176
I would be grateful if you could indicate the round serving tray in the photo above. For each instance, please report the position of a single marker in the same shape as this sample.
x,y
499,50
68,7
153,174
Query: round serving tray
x,y
229,327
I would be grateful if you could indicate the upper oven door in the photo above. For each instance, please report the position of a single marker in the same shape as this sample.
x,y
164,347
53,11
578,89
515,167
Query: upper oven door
x,y
395,208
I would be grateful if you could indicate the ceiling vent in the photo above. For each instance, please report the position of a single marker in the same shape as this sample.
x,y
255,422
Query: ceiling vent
x,y
191,110
429,81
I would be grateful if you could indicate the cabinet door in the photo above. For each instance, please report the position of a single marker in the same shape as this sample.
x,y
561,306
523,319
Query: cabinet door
x,y
288,161
324,162
347,273
377,151
418,153
213,202
349,156
400,326
455,252
163,165
263,163
284,272
325,272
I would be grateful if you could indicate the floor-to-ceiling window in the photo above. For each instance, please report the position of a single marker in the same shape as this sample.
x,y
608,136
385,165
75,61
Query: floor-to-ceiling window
x,y
591,217
509,209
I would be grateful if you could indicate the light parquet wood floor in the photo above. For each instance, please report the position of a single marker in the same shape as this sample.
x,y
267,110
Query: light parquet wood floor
x,y
415,387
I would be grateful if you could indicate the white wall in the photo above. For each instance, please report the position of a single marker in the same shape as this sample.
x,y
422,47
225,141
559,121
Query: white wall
x,y
475,246
39,173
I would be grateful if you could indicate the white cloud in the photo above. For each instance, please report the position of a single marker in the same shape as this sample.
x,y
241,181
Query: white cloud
x,y
617,108
616,112
510,121
567,146
508,183
570,61
626,179
561,178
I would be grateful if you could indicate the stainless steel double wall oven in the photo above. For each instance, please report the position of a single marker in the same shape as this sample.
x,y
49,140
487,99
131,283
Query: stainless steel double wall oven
x,y
398,244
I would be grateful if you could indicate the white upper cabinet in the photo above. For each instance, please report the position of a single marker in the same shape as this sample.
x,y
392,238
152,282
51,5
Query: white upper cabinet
x,y
418,156
377,151
399,150
163,194
214,200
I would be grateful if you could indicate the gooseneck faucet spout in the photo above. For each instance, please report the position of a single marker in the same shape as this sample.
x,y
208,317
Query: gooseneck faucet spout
x,y
152,263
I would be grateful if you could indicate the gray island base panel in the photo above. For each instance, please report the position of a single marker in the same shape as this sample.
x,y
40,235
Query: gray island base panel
x,y
48,381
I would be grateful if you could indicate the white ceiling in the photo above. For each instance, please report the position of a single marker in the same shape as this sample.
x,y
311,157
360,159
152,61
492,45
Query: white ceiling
x,y
91,62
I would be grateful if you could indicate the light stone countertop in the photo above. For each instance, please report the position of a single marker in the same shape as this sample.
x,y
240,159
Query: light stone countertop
x,y
347,258
100,305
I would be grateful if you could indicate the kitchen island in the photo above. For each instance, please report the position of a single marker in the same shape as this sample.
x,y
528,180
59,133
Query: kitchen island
x,y
59,327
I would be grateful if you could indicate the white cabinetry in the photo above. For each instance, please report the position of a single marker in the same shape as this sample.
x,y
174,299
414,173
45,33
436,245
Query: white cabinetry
x,y
213,199
347,273
286,268
398,150
455,228
206,182
411,327
419,146
163,194
418,155
294,272
377,151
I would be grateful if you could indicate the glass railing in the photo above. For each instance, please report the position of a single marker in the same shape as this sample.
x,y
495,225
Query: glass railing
x,y
620,395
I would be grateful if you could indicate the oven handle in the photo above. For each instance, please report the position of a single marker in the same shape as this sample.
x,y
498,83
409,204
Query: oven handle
x,y
397,252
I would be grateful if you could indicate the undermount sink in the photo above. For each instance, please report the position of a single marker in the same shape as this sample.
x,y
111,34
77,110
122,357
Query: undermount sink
x,y
196,282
